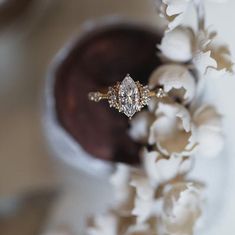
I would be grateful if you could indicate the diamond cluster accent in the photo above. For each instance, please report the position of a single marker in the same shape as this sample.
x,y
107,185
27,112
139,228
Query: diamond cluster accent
x,y
113,96
128,96
144,94
95,96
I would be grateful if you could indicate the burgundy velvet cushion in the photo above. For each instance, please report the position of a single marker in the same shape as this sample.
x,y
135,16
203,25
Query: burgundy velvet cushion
x,y
98,60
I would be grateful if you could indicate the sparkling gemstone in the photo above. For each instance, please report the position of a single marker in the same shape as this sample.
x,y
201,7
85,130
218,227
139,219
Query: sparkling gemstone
x,y
113,102
144,91
129,97
94,96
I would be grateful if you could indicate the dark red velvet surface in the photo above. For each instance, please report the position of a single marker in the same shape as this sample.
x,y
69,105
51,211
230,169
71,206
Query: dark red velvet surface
x,y
101,58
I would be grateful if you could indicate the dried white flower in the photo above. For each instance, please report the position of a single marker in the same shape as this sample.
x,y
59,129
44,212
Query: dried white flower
x,y
103,224
176,45
203,48
143,203
172,132
203,61
208,131
220,52
211,55
176,80
173,11
183,204
161,169
157,171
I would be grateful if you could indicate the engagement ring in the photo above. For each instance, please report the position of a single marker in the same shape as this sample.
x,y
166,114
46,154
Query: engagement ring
x,y
128,96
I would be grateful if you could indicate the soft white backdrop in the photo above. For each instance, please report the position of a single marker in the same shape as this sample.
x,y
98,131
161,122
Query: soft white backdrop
x,y
25,164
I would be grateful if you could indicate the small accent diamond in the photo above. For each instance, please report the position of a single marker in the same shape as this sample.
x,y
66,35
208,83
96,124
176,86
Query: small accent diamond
x,y
95,96
161,93
144,94
113,99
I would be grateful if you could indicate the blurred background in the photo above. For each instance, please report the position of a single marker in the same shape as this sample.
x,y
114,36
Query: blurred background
x,y
39,193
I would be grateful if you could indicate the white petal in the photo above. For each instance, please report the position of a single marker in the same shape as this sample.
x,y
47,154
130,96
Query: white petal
x,y
140,125
142,185
202,39
175,21
144,200
172,20
143,209
175,7
212,72
176,80
211,54
220,52
171,131
183,205
203,61
161,170
176,45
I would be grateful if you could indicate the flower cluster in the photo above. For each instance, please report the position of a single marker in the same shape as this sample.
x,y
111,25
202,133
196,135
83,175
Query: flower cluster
x,y
158,198
151,201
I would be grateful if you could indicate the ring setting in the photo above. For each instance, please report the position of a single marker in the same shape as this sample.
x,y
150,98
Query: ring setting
x,y
128,96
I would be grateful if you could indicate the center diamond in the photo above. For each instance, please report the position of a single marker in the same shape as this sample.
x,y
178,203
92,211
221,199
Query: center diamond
x,y
129,97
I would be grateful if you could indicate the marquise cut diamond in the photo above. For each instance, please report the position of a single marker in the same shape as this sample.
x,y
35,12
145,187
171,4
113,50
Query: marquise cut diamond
x,y
129,97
